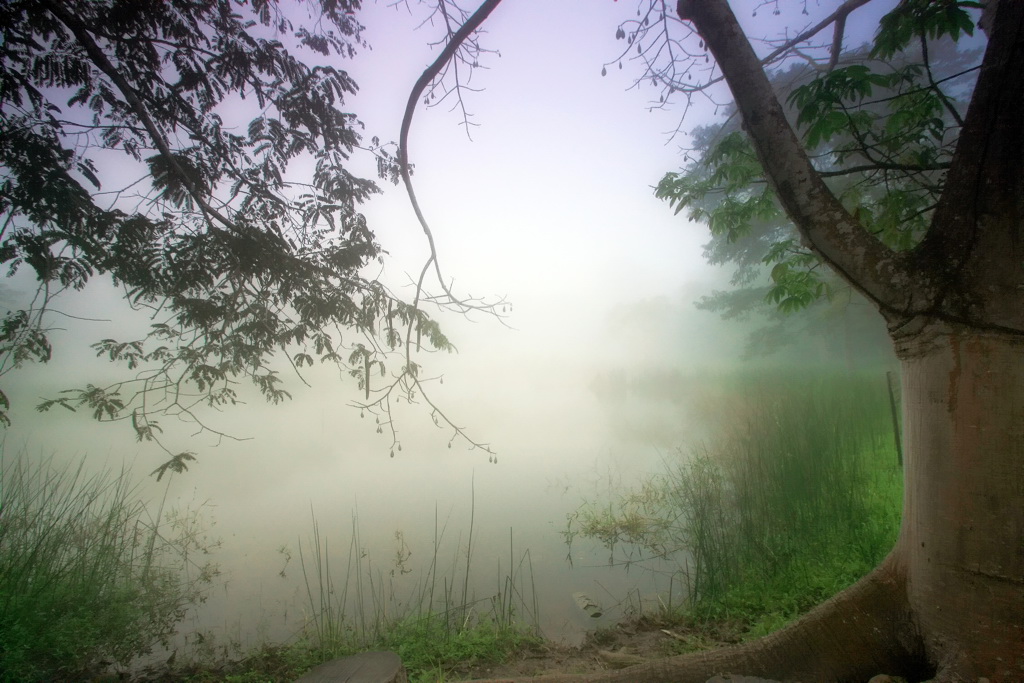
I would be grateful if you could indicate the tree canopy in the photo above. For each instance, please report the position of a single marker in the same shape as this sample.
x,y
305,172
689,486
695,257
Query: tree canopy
x,y
883,149
198,155
879,122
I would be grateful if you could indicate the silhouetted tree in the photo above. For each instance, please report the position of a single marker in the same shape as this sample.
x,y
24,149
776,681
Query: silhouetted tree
x,y
185,151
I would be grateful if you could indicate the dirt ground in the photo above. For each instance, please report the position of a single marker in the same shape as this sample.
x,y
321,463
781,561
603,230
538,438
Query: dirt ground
x,y
617,647
622,645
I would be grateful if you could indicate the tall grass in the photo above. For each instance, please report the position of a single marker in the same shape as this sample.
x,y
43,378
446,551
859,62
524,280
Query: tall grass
x,y
797,496
433,624
87,577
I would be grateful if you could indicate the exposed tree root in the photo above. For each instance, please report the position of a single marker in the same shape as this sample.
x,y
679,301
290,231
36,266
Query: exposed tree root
x,y
863,631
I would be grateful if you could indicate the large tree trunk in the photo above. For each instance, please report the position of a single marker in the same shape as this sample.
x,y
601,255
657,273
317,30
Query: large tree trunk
x,y
962,538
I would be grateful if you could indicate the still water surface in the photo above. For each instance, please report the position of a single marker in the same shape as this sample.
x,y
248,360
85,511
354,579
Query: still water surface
x,y
551,460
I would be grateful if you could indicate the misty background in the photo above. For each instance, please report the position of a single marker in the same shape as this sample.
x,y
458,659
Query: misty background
x,y
593,383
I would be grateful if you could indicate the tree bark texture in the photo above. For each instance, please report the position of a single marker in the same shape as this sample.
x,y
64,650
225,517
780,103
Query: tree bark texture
x,y
962,537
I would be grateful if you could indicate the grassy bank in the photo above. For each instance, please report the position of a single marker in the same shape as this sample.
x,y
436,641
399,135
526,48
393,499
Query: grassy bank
x,y
88,576
354,604
92,579
435,625
795,497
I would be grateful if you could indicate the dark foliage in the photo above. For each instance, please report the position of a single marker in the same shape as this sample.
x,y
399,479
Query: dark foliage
x,y
880,124
124,153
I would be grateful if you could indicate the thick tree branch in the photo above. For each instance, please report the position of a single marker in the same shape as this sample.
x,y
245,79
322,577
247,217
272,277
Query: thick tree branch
x,y
663,67
827,228
979,221
837,41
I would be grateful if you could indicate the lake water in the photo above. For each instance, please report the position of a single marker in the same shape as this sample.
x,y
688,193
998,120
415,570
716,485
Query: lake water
x,y
561,438
551,460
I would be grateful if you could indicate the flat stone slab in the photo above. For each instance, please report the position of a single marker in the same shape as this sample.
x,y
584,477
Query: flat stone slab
x,y
366,667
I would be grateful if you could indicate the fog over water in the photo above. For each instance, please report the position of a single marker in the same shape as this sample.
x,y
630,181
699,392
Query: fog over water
x,y
550,205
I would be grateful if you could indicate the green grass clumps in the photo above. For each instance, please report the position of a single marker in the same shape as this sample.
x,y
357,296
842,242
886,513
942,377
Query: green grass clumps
x,y
431,620
795,498
429,648
90,581
430,651
87,577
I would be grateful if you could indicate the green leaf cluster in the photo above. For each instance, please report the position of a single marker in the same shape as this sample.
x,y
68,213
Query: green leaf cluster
x,y
916,19
879,127
205,221
731,173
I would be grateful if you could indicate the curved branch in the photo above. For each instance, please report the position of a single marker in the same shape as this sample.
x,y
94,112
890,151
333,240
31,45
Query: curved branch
x,y
407,382
431,72
458,38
